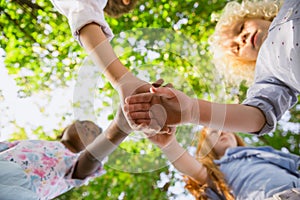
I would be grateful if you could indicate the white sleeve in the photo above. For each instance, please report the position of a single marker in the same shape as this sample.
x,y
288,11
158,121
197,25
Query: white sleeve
x,y
80,13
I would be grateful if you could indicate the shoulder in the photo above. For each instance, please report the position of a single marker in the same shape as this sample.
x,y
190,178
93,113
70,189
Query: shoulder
x,y
290,10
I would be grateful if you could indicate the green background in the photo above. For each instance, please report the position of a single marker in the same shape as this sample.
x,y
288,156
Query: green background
x,y
158,39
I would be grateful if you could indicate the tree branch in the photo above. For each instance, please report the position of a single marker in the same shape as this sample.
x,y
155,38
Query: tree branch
x,y
17,25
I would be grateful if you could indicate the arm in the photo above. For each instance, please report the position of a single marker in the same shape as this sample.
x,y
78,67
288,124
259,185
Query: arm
x,y
97,45
181,109
101,52
185,163
230,117
86,165
179,157
90,159
273,98
88,25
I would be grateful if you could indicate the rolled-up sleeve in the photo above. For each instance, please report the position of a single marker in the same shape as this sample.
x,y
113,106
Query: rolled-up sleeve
x,y
273,98
81,13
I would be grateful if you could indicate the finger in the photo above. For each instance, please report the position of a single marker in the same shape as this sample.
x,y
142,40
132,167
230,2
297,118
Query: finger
x,y
150,126
139,115
137,107
130,121
139,98
172,130
167,130
158,83
150,135
143,121
164,130
158,116
150,129
169,85
163,92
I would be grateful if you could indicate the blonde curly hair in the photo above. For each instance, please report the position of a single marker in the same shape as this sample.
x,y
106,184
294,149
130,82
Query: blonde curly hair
x,y
231,67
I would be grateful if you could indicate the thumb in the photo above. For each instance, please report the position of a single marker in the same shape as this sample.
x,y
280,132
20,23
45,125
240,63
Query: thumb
x,y
158,83
163,92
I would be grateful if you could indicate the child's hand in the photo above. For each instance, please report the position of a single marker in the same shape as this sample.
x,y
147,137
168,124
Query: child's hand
x,y
130,85
162,107
162,140
121,122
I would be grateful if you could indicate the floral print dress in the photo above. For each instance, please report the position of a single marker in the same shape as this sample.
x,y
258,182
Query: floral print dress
x,y
48,164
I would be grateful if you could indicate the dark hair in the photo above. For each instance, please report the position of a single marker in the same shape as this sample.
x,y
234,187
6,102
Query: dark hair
x,y
116,8
72,126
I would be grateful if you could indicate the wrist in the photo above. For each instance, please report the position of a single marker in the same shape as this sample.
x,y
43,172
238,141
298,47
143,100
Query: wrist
x,y
123,79
128,84
121,129
101,147
194,111
173,150
89,156
117,132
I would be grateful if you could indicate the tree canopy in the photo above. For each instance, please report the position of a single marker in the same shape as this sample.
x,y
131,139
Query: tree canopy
x,y
158,39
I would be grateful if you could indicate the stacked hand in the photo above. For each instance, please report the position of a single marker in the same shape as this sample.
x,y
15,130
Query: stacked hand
x,y
161,107
129,85
159,136
134,86
163,139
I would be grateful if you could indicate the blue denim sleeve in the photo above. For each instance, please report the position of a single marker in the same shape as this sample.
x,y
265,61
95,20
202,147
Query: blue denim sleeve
x,y
273,98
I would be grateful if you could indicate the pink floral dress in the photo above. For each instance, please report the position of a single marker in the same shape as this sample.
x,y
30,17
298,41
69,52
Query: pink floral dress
x,y
48,164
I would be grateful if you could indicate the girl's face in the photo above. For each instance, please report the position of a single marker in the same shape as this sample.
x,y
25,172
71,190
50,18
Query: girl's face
x,y
244,38
221,141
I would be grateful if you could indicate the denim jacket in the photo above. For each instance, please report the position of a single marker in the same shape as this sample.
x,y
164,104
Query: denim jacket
x,y
258,172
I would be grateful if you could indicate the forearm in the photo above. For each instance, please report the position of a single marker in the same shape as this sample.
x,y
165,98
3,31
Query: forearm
x,y
107,142
116,134
98,47
86,165
230,117
90,159
184,162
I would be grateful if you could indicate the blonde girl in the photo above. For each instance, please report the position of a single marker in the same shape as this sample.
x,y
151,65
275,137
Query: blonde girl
x,y
232,35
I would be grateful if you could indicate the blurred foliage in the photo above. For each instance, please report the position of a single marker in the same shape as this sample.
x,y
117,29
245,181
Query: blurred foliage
x,y
40,52
159,38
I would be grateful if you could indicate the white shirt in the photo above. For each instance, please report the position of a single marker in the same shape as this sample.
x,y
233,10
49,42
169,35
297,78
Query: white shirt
x,y
277,76
83,12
